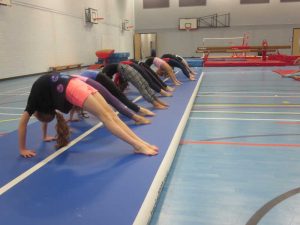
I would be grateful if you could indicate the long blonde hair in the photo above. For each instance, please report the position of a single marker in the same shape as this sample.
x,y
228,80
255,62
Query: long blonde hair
x,y
62,130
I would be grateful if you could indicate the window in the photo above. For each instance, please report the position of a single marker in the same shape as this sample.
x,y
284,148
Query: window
x,y
183,3
150,4
254,1
289,0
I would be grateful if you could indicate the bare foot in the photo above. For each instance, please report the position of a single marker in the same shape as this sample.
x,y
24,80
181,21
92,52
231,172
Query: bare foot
x,y
140,120
143,149
165,93
162,103
192,72
192,77
158,105
170,88
146,112
153,147
177,83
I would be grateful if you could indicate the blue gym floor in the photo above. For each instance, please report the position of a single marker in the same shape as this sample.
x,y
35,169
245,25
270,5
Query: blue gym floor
x,y
237,164
239,161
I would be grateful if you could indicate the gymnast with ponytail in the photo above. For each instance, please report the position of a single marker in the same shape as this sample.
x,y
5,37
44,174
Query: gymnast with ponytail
x,y
163,68
54,94
181,60
125,74
113,101
105,81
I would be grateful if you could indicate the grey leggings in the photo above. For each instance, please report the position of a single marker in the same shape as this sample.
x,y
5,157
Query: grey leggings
x,y
136,79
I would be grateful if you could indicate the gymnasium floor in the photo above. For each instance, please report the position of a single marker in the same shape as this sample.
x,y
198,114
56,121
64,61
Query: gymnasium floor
x,y
238,162
239,158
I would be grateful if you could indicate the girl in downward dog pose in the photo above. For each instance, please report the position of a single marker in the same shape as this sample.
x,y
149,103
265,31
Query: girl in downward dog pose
x,y
128,74
115,91
113,101
162,68
53,92
153,83
174,63
180,60
155,76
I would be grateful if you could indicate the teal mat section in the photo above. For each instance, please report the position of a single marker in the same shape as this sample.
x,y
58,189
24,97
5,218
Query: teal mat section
x,y
240,152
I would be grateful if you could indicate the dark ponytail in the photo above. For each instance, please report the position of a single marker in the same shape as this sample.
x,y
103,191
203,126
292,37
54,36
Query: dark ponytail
x,y
62,130
120,82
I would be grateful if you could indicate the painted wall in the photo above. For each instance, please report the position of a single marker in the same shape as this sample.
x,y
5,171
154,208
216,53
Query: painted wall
x,y
274,21
37,34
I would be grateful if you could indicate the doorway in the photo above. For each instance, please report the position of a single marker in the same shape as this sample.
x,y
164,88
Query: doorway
x,y
145,45
296,42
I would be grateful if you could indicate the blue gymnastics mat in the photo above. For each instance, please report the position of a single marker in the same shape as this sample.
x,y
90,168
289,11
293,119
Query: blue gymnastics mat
x,y
195,62
97,179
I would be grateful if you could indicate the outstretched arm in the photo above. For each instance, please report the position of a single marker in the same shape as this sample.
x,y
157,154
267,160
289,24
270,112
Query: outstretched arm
x,y
22,136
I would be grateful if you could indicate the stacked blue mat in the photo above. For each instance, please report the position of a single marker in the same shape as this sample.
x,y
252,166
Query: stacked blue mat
x,y
195,62
116,57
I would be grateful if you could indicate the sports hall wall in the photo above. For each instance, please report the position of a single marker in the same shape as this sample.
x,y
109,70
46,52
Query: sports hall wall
x,y
37,34
273,21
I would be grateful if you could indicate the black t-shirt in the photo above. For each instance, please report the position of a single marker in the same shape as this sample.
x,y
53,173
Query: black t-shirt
x,y
171,57
110,69
48,93
149,61
168,56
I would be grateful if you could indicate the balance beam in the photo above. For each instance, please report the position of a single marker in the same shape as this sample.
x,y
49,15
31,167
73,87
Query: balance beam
x,y
65,67
244,47
235,50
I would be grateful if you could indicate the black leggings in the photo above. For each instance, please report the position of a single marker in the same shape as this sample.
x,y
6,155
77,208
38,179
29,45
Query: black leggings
x,y
136,79
152,83
111,87
154,77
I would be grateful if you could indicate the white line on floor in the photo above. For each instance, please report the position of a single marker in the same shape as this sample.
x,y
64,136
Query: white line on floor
x,y
10,114
251,92
9,91
250,96
23,94
27,173
39,165
3,107
246,119
243,112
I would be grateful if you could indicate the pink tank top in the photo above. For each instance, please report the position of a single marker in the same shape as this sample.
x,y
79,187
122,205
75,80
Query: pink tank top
x,y
158,62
